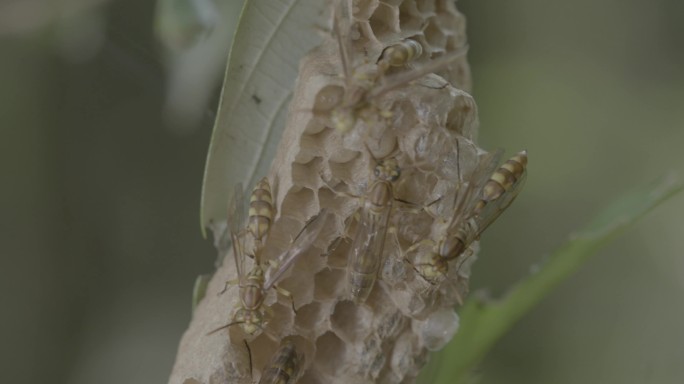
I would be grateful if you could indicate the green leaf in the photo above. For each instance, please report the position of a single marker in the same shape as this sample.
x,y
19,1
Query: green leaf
x,y
200,289
271,38
484,322
181,23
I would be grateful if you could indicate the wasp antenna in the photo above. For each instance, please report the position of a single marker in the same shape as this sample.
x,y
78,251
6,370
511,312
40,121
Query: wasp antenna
x,y
225,326
340,12
249,353
375,159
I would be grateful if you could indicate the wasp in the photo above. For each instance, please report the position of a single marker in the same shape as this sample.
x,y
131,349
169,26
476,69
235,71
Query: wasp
x,y
254,285
261,213
486,196
365,82
368,243
373,218
285,366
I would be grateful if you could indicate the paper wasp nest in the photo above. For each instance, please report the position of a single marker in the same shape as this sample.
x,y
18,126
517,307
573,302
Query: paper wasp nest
x,y
430,132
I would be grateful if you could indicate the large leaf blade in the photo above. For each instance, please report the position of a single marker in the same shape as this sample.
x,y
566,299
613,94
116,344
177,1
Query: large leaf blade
x,y
271,37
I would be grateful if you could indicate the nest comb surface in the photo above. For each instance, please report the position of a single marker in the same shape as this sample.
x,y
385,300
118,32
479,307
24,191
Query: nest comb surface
x,y
431,132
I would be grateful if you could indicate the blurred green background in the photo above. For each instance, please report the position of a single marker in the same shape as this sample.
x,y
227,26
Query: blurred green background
x,y
100,196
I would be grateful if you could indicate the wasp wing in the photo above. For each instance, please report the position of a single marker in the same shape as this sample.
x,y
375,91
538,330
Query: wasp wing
x,y
235,221
369,242
492,209
301,243
465,200
405,77
341,15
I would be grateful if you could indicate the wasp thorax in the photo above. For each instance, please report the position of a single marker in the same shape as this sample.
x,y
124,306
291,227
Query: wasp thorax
x,y
431,266
343,119
252,296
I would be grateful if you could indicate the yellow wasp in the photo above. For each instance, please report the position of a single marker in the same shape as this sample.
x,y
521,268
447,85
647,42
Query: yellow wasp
x,y
373,215
253,284
486,196
367,81
369,240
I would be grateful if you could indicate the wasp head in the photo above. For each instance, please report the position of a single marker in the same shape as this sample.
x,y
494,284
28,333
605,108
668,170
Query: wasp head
x,y
387,170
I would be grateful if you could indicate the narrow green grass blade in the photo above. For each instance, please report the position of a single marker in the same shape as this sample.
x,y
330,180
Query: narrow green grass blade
x,y
200,289
179,24
484,322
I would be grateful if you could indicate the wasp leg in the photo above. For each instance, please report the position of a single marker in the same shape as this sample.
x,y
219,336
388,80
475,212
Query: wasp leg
x,y
416,208
335,243
456,291
249,353
346,235
415,246
225,286
287,294
338,193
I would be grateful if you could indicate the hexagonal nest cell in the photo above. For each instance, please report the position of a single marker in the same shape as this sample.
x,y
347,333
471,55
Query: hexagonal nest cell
x,y
384,21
